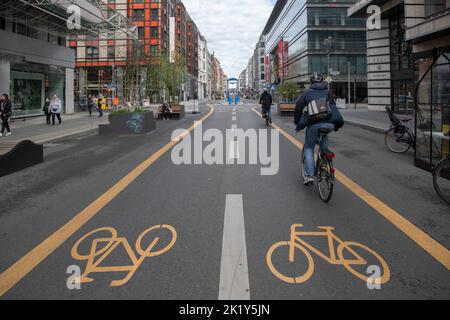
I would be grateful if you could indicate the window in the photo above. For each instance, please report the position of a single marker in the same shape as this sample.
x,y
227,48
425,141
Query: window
x,y
434,6
141,32
91,52
2,23
111,52
154,50
154,32
154,15
138,14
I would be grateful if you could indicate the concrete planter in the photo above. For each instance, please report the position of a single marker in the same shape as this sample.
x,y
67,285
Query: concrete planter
x,y
129,124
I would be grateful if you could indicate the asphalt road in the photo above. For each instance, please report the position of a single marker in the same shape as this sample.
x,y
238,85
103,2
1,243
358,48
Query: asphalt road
x,y
225,217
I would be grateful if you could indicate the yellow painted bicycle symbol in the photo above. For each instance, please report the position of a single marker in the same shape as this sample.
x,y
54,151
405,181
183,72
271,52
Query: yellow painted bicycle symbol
x,y
337,255
101,248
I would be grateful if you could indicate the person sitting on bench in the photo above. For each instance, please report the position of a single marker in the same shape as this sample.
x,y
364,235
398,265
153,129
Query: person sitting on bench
x,y
165,111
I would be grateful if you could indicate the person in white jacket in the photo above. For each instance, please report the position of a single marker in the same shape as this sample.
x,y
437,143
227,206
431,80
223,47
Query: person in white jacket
x,y
55,108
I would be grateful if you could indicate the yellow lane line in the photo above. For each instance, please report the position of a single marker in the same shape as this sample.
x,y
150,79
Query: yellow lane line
x,y
434,248
11,276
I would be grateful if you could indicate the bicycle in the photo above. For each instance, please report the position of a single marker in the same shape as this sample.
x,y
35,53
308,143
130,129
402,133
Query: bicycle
x,y
324,169
441,179
337,255
267,117
399,138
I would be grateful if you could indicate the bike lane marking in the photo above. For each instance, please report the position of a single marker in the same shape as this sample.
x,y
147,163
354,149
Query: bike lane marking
x,y
11,276
434,248
234,280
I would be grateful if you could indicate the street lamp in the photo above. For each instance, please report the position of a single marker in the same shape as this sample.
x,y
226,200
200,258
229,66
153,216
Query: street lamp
x,y
328,42
348,73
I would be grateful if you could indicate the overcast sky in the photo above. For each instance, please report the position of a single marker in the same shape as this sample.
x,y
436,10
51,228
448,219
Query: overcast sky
x,y
232,28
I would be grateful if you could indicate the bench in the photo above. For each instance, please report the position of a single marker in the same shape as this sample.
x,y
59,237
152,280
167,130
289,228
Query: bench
x,y
286,109
178,112
15,156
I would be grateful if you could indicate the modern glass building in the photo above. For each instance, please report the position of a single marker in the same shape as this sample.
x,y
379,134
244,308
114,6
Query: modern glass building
x,y
409,69
308,36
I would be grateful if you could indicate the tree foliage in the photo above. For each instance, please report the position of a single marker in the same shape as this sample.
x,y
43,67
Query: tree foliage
x,y
289,91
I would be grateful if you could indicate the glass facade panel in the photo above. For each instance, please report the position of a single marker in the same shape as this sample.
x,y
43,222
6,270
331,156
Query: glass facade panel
x,y
31,83
433,113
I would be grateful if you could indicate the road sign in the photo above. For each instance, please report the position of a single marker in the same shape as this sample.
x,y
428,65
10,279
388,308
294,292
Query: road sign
x,y
329,80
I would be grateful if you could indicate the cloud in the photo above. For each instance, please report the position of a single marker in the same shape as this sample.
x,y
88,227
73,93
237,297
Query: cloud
x,y
232,28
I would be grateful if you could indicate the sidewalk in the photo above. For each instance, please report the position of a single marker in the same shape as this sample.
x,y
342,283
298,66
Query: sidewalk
x,y
376,121
36,130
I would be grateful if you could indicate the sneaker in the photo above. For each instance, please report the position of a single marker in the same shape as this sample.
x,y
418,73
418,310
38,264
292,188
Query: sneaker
x,y
309,181
8,134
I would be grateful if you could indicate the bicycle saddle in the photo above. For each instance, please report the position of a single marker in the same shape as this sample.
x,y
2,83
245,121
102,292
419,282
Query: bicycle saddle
x,y
324,131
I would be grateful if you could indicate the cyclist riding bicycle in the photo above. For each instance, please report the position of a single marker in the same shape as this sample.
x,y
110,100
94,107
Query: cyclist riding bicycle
x,y
266,103
321,114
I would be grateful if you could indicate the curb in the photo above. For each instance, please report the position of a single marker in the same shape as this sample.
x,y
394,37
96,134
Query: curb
x,y
75,133
365,126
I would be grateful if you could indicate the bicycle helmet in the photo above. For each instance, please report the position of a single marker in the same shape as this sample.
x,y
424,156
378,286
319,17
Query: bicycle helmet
x,y
316,77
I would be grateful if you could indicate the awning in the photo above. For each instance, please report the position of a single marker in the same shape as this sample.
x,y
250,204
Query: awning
x,y
51,16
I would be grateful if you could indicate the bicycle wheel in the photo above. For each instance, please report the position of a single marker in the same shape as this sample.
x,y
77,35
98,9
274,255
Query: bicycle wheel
x,y
290,279
325,180
397,142
148,251
364,252
441,180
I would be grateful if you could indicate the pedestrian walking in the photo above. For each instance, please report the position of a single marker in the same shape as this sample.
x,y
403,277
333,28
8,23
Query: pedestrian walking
x,y
46,110
90,105
55,108
100,105
5,114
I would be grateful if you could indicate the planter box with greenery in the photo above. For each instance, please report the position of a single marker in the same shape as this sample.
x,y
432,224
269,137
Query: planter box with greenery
x,y
126,121
289,92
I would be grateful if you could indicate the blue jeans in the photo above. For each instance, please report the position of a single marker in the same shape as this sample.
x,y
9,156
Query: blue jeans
x,y
312,134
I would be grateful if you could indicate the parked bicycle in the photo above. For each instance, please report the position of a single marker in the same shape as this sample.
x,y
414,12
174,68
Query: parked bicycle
x,y
324,170
399,138
441,179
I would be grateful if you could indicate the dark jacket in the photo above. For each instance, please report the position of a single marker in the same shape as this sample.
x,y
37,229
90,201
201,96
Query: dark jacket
x,y
45,108
6,108
266,100
317,91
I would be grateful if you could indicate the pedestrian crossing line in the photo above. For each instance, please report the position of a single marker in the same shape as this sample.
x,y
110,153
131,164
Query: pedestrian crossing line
x,y
15,273
234,279
434,248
